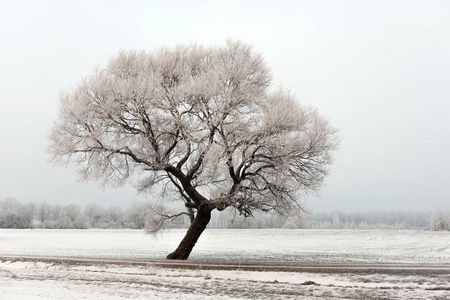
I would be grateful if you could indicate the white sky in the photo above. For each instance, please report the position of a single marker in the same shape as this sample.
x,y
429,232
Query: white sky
x,y
379,70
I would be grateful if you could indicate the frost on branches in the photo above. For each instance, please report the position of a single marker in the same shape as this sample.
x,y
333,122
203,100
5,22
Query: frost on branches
x,y
202,122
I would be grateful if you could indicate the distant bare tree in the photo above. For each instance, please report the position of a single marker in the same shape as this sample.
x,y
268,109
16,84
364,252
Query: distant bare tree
x,y
201,122
440,221
43,212
336,221
136,214
71,217
13,214
31,208
113,214
93,214
56,214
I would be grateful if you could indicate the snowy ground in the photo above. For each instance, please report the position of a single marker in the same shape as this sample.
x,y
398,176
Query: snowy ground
x,y
237,245
63,280
37,280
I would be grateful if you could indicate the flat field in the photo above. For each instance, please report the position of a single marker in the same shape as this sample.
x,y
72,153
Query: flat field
x,y
43,279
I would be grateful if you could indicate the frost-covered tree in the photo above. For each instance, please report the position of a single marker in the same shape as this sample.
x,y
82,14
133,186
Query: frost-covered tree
x,y
44,212
136,214
203,123
56,216
13,214
440,221
113,215
336,222
31,212
93,214
72,217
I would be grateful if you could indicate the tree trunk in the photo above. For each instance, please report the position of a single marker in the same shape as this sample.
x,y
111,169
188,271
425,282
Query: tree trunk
x,y
195,230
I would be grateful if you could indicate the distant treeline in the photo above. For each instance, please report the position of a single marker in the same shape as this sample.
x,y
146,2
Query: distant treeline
x,y
14,214
437,221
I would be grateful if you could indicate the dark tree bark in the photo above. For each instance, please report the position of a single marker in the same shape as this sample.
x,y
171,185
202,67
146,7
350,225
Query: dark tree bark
x,y
195,230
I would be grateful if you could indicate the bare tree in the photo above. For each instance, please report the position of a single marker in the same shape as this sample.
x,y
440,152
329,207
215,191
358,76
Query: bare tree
x,y
31,211
93,214
336,221
200,122
135,214
57,218
13,214
114,215
72,217
43,213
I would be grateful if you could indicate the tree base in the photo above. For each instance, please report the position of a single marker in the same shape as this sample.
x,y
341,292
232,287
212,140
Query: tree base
x,y
195,230
177,256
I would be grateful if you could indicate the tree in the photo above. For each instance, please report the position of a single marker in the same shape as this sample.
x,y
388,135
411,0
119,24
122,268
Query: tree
x,y
136,214
43,212
71,217
114,216
439,222
57,218
31,211
336,222
93,214
13,214
201,123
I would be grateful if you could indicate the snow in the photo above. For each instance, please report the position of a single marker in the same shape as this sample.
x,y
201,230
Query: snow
x,y
41,280
35,280
237,245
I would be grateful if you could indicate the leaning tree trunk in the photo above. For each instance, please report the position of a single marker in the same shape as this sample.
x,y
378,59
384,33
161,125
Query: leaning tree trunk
x,y
195,230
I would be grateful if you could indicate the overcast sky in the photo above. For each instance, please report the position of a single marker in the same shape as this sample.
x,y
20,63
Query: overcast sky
x,y
379,70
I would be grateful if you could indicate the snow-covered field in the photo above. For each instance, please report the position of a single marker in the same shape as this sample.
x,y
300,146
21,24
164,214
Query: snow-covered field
x,y
237,245
53,280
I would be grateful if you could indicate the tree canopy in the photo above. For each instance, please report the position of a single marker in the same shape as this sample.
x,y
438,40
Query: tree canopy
x,y
201,121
